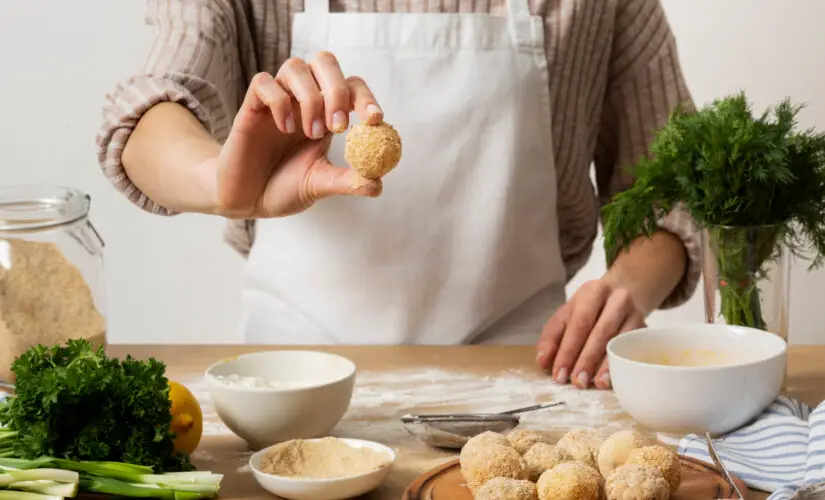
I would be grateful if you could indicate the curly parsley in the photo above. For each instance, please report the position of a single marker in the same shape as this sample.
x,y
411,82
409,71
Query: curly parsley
x,y
74,402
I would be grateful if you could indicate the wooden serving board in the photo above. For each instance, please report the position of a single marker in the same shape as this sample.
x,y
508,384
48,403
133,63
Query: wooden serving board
x,y
700,481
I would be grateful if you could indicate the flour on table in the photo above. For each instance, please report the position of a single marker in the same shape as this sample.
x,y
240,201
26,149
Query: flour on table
x,y
389,395
381,398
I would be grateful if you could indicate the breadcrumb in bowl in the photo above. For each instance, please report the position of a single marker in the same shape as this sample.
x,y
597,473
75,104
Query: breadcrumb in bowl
x,y
373,150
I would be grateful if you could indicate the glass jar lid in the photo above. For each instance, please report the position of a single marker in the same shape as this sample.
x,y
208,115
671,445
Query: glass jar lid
x,y
36,207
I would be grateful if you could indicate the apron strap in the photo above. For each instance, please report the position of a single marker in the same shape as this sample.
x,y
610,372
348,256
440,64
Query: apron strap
x,y
317,6
518,8
521,23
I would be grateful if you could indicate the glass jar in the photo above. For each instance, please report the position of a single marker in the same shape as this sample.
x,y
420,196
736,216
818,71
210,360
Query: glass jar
x,y
746,272
52,286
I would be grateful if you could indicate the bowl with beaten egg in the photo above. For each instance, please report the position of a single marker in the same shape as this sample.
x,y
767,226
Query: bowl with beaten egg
x,y
696,378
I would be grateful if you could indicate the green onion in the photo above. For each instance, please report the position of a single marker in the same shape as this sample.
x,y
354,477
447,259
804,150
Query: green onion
x,y
14,476
183,478
45,475
115,470
21,495
47,488
22,464
120,488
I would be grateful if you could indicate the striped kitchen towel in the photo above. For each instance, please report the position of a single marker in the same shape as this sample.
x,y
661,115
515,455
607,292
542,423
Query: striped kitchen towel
x,y
781,451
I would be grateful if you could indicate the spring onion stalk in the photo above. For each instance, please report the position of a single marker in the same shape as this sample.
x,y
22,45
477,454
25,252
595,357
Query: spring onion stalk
x,y
185,478
22,464
115,470
113,478
13,476
137,474
108,486
22,495
68,490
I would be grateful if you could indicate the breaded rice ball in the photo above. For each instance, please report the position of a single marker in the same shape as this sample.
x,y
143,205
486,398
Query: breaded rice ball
x,y
373,150
616,448
583,444
484,463
502,488
662,459
542,457
636,482
523,440
571,481
487,438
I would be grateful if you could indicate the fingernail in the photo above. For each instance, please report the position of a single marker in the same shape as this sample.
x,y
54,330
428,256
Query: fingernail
x,y
290,124
583,379
373,110
339,122
561,378
317,129
605,378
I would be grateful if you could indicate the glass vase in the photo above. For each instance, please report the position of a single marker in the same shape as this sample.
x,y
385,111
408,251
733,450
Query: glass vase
x,y
746,273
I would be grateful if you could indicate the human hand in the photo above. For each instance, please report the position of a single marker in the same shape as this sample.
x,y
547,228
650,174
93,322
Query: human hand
x,y
573,343
274,162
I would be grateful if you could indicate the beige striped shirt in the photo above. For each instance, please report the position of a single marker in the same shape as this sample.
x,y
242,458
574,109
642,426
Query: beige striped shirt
x,y
614,77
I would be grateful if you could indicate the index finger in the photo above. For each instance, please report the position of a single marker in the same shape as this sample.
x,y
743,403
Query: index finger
x,y
616,311
363,101
335,90
582,319
551,334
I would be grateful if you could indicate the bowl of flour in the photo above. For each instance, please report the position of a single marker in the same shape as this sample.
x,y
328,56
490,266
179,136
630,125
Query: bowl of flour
x,y
275,396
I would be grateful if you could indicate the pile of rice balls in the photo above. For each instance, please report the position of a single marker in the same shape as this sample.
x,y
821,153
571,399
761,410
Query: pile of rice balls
x,y
524,465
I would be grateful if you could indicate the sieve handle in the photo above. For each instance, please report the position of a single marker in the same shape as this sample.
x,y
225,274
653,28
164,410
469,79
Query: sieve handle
x,y
532,408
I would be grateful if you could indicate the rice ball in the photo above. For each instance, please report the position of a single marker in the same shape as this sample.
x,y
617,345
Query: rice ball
x,y
373,150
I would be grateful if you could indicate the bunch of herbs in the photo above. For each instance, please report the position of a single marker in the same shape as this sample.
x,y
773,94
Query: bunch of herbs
x,y
754,183
73,402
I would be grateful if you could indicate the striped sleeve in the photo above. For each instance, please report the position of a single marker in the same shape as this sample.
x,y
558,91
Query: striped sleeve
x,y
193,62
645,84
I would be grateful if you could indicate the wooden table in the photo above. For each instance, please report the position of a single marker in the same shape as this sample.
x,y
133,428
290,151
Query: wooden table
x,y
227,454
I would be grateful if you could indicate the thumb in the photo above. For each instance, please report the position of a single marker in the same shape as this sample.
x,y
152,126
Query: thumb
x,y
325,179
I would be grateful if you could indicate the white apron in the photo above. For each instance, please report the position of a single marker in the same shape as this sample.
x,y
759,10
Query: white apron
x,y
462,246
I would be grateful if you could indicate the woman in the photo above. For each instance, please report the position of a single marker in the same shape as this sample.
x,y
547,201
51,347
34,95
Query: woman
x,y
502,107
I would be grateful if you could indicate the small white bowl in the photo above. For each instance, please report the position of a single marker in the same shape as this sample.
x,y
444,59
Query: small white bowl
x,y
265,416
292,488
743,373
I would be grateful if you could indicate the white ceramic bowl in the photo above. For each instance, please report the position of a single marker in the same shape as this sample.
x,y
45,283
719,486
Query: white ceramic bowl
x,y
657,378
265,416
292,488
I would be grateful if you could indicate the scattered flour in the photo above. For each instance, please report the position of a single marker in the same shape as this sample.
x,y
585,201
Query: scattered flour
x,y
257,382
389,395
381,398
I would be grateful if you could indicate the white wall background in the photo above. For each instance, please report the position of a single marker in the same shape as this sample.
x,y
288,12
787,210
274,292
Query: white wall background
x,y
172,280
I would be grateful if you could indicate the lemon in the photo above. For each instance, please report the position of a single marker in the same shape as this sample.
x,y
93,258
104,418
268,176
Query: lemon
x,y
187,418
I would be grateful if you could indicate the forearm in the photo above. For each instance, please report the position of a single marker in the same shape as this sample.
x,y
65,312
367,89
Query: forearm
x,y
172,159
650,270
